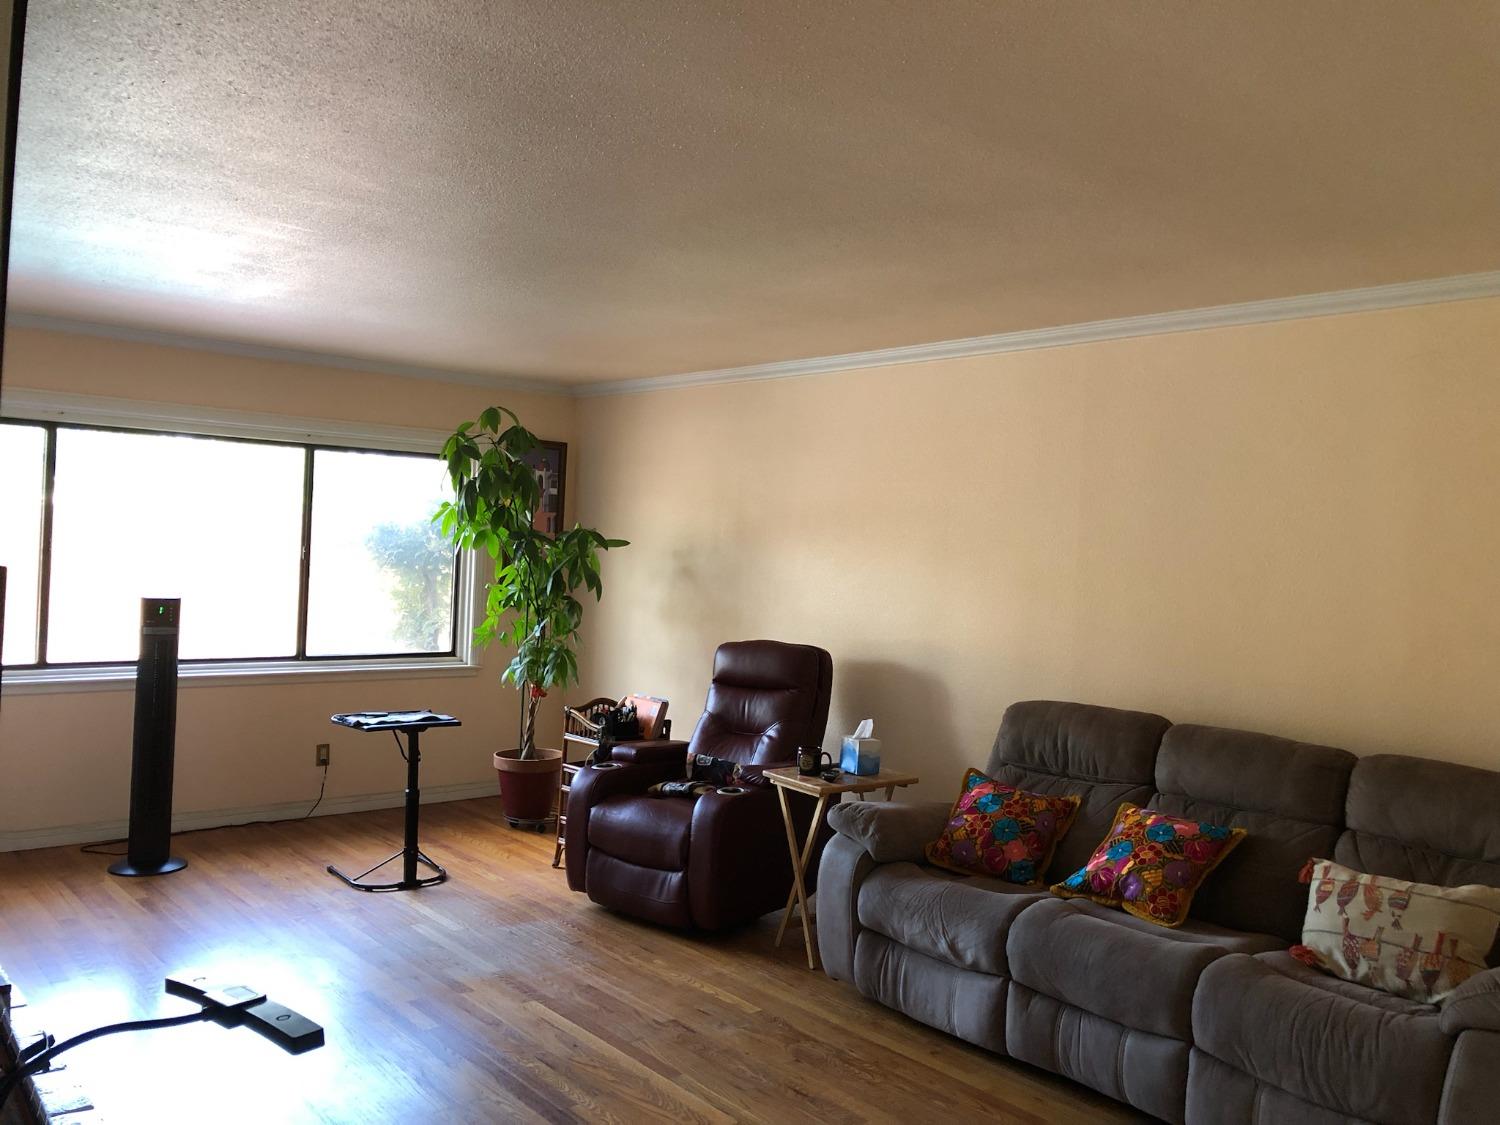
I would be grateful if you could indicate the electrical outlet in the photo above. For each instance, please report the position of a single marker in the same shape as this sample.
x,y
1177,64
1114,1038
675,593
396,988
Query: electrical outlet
x,y
323,751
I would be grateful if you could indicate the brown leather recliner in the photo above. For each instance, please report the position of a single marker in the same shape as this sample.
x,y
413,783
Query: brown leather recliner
x,y
720,860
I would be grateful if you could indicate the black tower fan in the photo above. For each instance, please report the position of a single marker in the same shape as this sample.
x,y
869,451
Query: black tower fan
x,y
149,851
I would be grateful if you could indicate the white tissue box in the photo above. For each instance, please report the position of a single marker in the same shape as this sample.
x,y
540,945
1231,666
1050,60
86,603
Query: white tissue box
x,y
860,756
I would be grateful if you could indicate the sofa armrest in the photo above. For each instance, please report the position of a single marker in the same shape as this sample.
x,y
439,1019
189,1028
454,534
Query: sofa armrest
x,y
1471,1089
655,751
841,872
891,832
1473,1005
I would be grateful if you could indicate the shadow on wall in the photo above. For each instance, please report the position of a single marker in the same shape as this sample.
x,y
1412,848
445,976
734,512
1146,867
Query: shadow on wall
x,y
698,604
912,710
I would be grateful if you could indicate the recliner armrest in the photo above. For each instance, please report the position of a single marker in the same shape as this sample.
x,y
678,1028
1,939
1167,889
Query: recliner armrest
x,y
737,855
655,751
891,832
593,785
1473,1005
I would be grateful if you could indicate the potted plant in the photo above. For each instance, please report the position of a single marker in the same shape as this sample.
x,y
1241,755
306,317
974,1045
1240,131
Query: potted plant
x,y
530,604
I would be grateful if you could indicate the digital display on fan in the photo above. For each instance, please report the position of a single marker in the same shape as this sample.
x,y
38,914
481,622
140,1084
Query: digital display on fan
x,y
160,613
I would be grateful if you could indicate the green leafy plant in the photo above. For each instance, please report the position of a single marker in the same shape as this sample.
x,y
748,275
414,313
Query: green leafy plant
x,y
530,604
420,563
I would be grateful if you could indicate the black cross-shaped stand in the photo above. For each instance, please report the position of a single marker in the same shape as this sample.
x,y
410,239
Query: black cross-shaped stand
x,y
412,724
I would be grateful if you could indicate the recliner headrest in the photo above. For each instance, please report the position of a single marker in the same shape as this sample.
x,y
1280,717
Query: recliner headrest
x,y
766,665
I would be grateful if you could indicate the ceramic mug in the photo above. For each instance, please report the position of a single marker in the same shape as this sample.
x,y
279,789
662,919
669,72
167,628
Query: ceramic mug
x,y
812,760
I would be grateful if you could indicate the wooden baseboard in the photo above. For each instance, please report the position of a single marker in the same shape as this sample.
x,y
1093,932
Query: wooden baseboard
x,y
29,838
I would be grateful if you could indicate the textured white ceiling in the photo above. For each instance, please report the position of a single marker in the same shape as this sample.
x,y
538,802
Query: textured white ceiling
x,y
576,191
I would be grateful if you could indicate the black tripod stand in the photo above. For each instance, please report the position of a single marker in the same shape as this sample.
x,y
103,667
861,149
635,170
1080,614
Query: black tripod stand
x,y
412,724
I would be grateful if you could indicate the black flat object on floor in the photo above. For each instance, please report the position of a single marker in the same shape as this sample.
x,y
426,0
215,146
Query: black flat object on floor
x,y
412,724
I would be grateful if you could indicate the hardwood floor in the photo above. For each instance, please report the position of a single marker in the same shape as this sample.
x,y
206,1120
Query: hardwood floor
x,y
498,996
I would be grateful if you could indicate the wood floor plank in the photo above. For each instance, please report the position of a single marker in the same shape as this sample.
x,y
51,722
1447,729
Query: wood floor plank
x,y
497,996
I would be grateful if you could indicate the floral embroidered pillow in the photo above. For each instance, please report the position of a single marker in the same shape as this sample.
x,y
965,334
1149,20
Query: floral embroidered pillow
x,y
1000,830
1151,864
1410,939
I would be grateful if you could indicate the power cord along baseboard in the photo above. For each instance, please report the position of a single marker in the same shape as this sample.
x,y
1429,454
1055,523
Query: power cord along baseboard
x,y
109,847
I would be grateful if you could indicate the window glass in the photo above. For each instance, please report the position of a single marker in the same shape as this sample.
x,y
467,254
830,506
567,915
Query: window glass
x,y
381,577
217,523
23,463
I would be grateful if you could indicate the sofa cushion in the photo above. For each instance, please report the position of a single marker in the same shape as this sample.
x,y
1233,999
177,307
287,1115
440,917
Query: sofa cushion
x,y
957,919
1430,822
1339,1045
1102,755
1151,864
646,831
999,830
1114,965
1147,1071
1217,1092
1288,796
961,1002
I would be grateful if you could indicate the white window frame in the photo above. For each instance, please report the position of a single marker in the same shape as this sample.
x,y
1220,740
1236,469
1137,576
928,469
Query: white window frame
x,y
24,405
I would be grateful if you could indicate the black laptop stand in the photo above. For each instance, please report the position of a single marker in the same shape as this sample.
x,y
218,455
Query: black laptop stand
x,y
412,724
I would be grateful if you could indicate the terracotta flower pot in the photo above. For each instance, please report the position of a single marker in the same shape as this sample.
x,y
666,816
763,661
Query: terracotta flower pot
x,y
528,786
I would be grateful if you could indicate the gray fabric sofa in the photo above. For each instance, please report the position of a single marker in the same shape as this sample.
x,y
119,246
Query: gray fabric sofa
x,y
1214,1021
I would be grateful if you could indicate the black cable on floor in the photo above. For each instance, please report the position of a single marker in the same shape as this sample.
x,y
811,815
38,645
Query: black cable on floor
x,y
41,1060
98,849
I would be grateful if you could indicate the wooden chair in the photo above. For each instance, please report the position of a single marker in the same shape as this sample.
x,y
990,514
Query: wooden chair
x,y
581,732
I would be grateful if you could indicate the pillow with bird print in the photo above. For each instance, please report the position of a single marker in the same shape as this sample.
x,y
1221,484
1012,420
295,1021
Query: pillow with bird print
x,y
1410,939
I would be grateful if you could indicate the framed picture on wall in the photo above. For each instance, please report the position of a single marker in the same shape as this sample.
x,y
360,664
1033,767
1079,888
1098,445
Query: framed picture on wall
x,y
550,461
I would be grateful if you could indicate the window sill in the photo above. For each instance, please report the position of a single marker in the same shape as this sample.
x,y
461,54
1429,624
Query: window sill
x,y
47,681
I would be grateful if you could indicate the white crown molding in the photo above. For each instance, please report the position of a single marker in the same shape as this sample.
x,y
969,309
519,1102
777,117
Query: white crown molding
x,y
279,354
1463,287
97,410
28,838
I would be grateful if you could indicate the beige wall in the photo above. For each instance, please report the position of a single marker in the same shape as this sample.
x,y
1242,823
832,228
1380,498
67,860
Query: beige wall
x,y
65,758
1290,527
